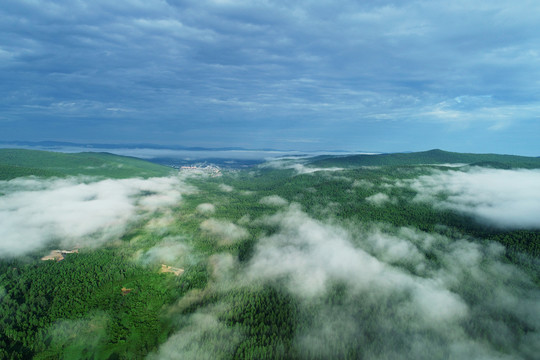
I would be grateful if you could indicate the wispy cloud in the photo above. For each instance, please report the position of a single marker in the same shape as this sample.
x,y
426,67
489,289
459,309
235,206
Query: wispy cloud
x,y
295,164
226,232
273,200
203,336
73,336
206,208
379,199
172,251
225,188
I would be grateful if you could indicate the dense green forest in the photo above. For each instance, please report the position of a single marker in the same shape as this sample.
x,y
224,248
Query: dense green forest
x,y
281,261
20,162
429,157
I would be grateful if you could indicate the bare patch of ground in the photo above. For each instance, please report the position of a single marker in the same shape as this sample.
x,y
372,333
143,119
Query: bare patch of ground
x,y
58,255
170,269
126,291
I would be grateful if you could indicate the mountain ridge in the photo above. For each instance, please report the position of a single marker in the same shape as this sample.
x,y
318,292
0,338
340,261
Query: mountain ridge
x,y
429,157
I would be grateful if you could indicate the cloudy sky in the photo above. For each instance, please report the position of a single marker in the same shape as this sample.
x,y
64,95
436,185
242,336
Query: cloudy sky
x,y
371,75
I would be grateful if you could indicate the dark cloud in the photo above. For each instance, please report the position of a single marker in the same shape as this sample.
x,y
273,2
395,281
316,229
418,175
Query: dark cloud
x,y
167,71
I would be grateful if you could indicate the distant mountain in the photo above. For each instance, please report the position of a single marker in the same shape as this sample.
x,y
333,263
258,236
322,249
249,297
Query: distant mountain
x,y
55,145
435,156
61,144
21,162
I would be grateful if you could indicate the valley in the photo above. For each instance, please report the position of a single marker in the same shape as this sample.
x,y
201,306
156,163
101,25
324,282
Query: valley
x,y
430,255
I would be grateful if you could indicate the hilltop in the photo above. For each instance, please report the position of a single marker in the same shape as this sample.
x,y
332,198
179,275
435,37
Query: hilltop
x,y
435,156
21,162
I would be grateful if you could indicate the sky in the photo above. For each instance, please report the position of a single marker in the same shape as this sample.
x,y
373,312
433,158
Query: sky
x,y
371,75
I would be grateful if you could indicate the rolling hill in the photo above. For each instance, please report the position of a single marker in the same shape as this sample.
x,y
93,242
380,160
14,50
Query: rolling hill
x,y
21,162
435,156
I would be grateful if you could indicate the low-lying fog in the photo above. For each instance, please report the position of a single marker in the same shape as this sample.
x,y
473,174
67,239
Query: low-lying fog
x,y
403,293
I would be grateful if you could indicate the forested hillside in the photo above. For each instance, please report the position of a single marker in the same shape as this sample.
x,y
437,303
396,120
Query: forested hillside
x,y
21,162
282,260
427,158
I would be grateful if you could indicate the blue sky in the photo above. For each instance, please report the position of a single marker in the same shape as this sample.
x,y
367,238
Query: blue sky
x,y
370,75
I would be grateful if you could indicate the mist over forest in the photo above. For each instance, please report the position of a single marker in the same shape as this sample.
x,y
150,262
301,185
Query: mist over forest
x,y
252,179
292,258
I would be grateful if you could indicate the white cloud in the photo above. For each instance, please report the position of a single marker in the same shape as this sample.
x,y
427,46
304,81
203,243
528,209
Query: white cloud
x,y
206,208
273,200
311,254
297,165
225,188
222,268
203,337
439,305
170,251
72,336
34,212
302,169
392,249
362,184
379,199
394,294
226,232
502,198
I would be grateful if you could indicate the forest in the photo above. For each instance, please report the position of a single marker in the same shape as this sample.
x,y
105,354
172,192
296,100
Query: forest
x,y
428,255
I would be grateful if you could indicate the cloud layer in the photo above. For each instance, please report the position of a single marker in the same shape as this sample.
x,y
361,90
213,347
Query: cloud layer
x,y
395,300
501,198
75,212
273,73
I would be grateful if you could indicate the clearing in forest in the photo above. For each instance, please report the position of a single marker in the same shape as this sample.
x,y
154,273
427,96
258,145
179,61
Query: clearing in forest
x,y
175,271
58,255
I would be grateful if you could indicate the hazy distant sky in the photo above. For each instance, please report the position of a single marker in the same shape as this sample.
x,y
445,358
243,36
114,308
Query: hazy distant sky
x,y
355,75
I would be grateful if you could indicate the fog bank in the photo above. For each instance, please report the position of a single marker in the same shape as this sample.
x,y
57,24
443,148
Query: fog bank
x,y
501,198
398,293
76,212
